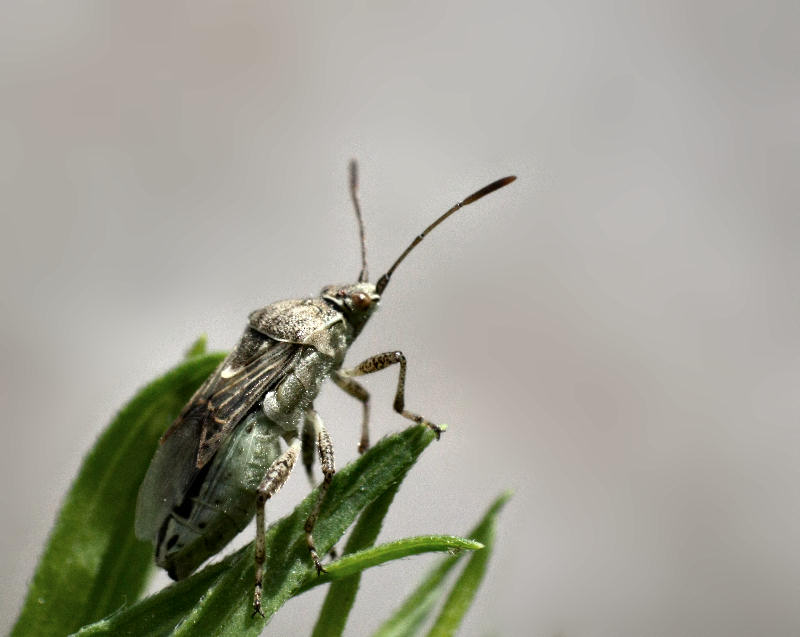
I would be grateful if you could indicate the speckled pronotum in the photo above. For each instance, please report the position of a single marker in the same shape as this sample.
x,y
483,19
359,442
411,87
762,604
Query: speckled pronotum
x,y
222,459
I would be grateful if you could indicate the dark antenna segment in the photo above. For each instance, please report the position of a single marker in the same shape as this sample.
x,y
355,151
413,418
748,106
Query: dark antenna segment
x,y
384,280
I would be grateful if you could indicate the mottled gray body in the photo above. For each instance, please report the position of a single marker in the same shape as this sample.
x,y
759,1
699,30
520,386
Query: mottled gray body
x,y
221,460
206,487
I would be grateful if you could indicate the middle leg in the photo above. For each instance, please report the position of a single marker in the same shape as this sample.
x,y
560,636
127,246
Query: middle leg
x,y
328,469
357,391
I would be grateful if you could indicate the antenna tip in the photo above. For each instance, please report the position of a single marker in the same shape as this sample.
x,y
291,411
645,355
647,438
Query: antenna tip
x,y
502,182
495,185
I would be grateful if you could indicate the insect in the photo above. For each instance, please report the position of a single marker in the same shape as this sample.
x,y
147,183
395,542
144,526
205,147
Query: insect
x,y
222,458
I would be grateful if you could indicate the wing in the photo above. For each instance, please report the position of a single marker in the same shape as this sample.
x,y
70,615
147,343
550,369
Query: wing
x,y
256,365
237,387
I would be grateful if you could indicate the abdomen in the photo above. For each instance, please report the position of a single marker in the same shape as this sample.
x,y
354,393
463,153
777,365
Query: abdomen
x,y
222,499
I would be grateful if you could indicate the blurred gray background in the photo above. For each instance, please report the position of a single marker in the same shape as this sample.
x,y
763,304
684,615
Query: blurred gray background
x,y
615,336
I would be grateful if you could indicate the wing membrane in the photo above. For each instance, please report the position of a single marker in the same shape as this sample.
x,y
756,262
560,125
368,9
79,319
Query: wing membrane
x,y
237,389
247,373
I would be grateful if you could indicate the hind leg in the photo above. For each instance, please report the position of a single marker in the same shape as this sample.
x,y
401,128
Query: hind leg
x,y
276,477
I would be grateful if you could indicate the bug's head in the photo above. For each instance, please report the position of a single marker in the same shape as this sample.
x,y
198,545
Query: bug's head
x,y
377,290
357,301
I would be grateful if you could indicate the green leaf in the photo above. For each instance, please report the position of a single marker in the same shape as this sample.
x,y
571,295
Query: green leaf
x,y
466,586
220,596
92,564
411,615
344,568
159,613
198,348
94,567
342,593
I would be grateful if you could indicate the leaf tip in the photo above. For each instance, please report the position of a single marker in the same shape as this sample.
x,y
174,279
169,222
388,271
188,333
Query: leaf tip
x,y
504,497
198,348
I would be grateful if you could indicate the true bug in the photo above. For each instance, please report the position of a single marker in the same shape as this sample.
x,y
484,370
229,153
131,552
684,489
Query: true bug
x,y
221,460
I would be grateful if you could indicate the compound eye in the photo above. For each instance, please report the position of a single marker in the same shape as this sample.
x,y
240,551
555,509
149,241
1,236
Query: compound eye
x,y
360,300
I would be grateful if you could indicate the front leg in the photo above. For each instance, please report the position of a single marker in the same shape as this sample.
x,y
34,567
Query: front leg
x,y
276,477
382,361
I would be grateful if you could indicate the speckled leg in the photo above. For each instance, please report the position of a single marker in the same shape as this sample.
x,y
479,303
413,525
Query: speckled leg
x,y
328,469
382,361
361,394
276,477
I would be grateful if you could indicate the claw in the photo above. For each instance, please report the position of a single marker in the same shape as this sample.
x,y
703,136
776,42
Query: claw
x,y
436,429
257,604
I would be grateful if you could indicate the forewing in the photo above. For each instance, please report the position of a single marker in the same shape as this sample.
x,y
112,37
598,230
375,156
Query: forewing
x,y
246,374
238,389
170,473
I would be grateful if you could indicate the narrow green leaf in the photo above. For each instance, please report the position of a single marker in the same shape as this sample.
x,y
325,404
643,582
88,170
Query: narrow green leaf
x,y
466,586
198,348
409,617
342,593
92,564
221,600
344,568
160,613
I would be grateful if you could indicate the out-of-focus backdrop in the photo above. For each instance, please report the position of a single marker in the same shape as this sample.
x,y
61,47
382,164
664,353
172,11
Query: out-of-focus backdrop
x,y
615,336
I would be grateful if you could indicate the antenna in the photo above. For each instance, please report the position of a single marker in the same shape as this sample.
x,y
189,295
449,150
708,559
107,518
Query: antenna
x,y
363,277
495,185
